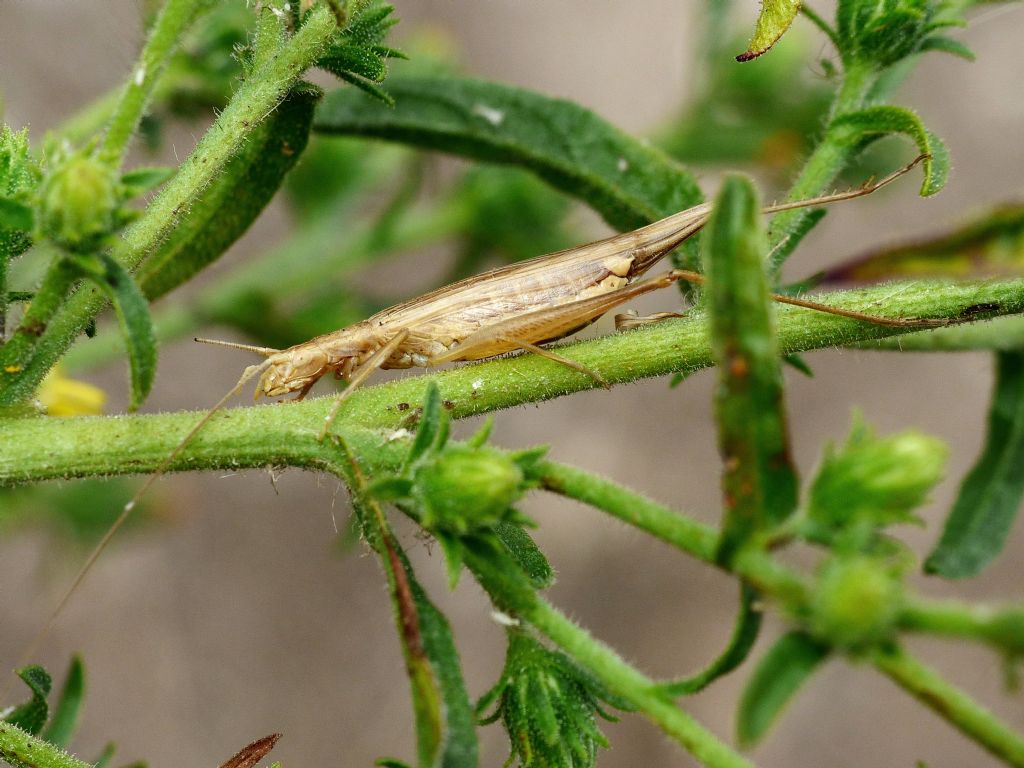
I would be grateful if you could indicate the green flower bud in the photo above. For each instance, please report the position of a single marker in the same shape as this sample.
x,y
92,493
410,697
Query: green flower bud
x,y
856,603
463,488
78,202
548,707
878,480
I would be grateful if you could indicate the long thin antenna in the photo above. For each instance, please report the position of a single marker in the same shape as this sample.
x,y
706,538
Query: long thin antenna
x,y
869,187
33,646
265,351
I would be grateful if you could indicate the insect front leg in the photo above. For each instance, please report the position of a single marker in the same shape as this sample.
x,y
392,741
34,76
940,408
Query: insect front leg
x,y
375,361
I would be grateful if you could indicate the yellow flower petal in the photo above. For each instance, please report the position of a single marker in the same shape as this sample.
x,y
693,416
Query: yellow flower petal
x,y
64,396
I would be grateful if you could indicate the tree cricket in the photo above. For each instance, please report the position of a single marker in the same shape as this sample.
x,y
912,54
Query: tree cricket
x,y
517,307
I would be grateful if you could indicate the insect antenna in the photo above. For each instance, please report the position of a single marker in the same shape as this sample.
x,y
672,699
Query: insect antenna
x,y
265,351
248,374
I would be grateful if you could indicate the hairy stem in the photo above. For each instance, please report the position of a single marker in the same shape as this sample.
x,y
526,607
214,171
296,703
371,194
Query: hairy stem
x,y
952,704
601,661
170,24
258,96
39,449
20,748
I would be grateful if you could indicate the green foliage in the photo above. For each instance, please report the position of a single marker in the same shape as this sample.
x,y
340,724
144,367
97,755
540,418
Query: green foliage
x,y
779,675
571,148
882,33
872,482
548,706
990,496
74,204
759,481
445,732
227,208
357,54
19,175
455,490
860,128
772,23
744,635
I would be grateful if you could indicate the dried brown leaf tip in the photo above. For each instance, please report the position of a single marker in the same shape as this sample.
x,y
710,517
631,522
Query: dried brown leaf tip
x,y
251,754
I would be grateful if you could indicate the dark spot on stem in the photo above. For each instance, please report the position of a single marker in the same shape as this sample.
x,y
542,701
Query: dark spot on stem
x,y
402,406
33,328
983,308
448,405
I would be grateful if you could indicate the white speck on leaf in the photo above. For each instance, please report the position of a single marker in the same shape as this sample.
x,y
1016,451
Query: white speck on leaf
x,y
477,384
493,116
399,434
140,76
622,165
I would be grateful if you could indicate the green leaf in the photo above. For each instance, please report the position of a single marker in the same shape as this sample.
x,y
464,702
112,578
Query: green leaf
x,y
65,715
758,481
433,429
229,206
772,23
990,495
132,315
31,716
629,183
141,180
744,635
779,675
526,553
990,245
15,216
860,128
445,721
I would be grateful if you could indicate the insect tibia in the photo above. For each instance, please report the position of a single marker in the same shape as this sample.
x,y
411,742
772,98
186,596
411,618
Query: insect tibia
x,y
265,351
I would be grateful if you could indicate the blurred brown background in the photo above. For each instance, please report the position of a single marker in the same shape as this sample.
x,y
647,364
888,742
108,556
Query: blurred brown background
x,y
239,618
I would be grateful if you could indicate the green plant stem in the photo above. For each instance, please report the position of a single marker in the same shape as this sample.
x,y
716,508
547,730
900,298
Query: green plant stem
x,y
952,704
255,99
827,160
601,661
1000,626
1002,334
37,449
20,748
174,18
48,299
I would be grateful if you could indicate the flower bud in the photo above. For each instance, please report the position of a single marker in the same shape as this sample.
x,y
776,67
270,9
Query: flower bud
x,y
463,488
880,479
856,603
78,202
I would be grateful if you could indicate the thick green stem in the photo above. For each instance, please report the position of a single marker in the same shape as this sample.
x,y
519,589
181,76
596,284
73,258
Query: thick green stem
x,y
600,660
46,448
172,21
256,99
952,704
20,748
999,626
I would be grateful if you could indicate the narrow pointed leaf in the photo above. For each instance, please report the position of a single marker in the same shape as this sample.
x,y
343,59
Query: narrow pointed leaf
x,y
132,314
779,675
574,150
227,208
759,481
744,635
526,553
990,245
31,716
772,23
991,494
864,126
445,721
64,720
